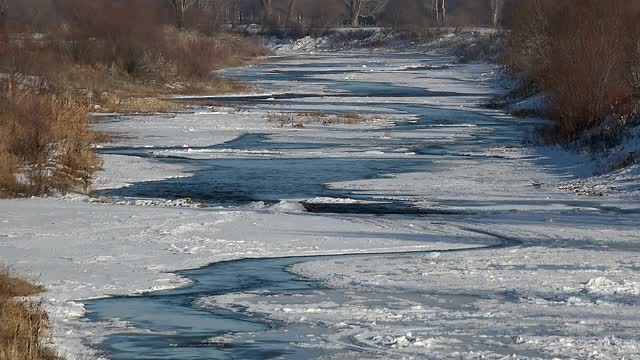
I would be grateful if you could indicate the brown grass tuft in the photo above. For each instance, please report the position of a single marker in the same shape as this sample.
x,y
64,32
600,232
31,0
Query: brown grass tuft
x,y
9,167
11,286
47,145
23,324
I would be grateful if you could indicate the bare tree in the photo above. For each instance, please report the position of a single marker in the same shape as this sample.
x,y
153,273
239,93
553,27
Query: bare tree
x,y
321,15
291,8
3,12
496,12
364,8
355,6
267,8
180,7
439,11
232,12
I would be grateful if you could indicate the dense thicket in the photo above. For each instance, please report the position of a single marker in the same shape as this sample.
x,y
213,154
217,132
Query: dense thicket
x,y
585,56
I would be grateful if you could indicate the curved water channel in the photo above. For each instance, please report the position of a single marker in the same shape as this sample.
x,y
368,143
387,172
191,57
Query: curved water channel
x,y
175,327
169,324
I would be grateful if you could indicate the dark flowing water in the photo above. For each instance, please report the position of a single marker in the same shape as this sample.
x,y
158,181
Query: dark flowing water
x,y
175,327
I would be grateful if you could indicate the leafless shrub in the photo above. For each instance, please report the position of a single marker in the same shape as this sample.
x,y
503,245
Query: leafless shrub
x,y
48,145
99,55
578,54
633,66
196,56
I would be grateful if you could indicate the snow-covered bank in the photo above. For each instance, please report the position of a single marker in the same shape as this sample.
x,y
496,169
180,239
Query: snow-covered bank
x,y
598,168
615,170
468,44
604,158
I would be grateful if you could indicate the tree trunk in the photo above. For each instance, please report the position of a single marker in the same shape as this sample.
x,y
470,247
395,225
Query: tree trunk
x,y
439,11
355,13
436,11
3,13
496,12
180,7
291,11
267,8
443,11
233,13
180,16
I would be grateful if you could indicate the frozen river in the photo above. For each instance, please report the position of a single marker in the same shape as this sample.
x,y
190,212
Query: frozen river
x,y
427,231
289,166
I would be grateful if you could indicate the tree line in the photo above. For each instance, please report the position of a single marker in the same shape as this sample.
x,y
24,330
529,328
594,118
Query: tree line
x,y
217,15
353,13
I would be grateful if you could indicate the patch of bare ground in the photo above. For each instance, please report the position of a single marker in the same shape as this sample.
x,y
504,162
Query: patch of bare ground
x,y
299,120
23,323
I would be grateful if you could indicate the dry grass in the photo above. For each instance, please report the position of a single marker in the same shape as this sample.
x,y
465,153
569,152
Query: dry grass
x,y
298,120
9,167
23,324
349,118
11,286
105,88
47,146
99,90
110,69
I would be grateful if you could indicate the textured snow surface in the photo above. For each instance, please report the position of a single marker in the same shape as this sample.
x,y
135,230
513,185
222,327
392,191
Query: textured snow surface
x,y
614,172
536,104
571,292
